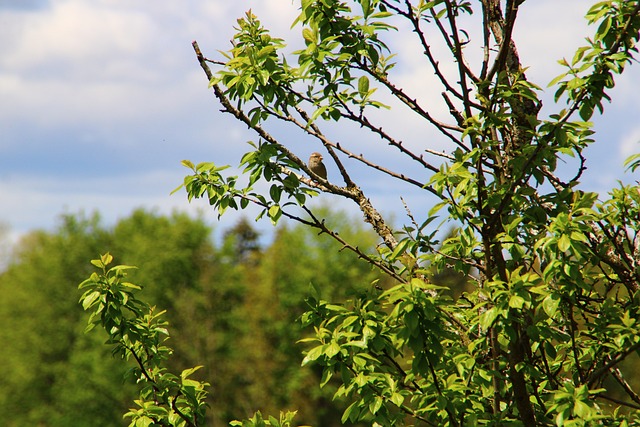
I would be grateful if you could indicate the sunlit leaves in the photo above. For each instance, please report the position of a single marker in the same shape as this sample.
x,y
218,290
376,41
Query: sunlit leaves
x,y
257,420
266,163
137,331
575,406
633,162
591,70
254,66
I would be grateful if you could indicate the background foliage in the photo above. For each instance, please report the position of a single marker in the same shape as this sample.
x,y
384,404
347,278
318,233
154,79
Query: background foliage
x,y
231,307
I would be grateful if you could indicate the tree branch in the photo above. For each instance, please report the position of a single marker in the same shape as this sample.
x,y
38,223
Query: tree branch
x,y
595,376
413,105
353,192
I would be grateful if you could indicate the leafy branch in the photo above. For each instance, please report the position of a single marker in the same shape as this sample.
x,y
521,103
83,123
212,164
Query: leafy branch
x,y
136,330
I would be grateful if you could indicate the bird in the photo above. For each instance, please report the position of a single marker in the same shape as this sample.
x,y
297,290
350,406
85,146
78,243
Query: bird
x,y
316,165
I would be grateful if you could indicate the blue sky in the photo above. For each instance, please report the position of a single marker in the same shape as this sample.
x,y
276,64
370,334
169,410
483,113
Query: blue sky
x,y
100,101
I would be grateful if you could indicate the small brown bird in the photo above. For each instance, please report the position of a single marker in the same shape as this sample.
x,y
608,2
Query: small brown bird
x,y
316,165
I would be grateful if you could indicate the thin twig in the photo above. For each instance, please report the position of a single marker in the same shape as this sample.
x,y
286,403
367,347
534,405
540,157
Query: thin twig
x,y
625,385
613,362
415,106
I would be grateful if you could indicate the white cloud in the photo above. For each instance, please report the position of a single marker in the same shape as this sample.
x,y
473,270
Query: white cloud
x,y
75,33
76,62
101,62
630,143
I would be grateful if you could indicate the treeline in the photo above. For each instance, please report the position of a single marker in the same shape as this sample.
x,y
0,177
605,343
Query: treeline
x,y
232,306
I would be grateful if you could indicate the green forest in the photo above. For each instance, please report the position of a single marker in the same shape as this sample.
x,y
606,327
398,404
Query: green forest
x,y
232,306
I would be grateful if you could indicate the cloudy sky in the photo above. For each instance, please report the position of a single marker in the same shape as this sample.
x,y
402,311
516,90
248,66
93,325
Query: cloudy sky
x,y
101,99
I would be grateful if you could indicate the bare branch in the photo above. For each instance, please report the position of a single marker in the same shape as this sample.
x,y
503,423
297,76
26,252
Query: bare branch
x,y
415,22
316,223
364,122
415,106
463,70
625,385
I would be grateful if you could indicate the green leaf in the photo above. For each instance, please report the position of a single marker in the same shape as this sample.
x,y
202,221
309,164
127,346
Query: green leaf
x,y
397,399
516,301
317,113
332,349
273,422
187,372
275,191
632,163
399,249
90,299
188,164
375,405
564,243
366,7
550,304
313,354
488,317
327,374
274,213
351,413
309,36
363,86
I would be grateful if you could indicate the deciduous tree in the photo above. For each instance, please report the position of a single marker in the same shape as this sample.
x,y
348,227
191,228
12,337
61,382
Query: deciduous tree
x,y
553,308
